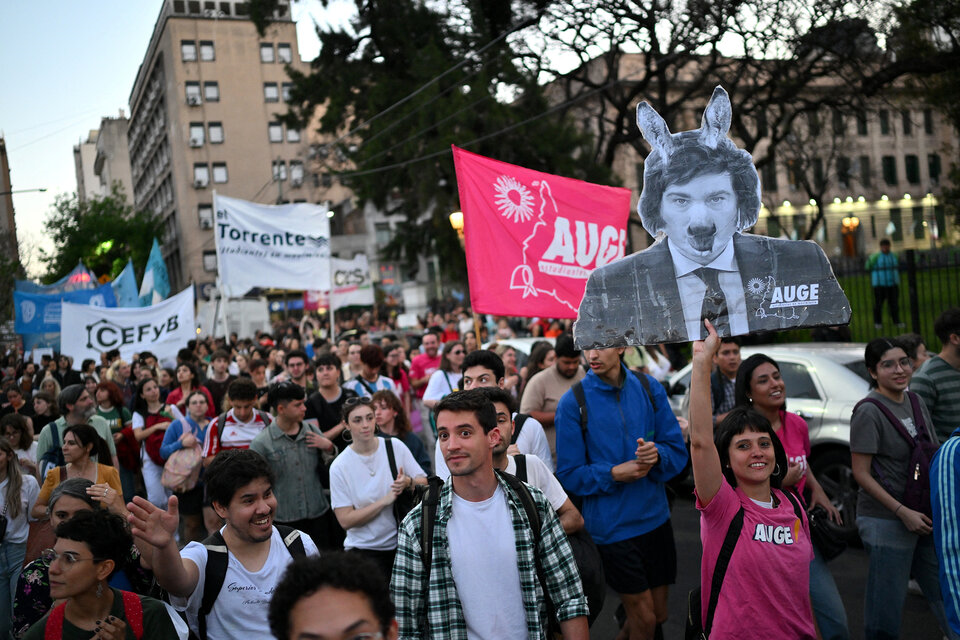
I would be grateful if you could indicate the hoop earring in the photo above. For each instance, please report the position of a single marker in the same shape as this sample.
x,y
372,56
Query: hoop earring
x,y
776,470
347,436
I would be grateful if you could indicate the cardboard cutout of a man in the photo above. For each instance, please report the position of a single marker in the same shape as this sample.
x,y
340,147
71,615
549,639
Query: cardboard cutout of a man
x,y
700,192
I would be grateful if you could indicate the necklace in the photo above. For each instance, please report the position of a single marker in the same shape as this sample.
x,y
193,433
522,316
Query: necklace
x,y
369,461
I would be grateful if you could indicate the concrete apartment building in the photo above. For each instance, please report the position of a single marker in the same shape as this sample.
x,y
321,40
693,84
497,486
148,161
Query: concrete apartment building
x,y
104,160
84,155
203,112
882,173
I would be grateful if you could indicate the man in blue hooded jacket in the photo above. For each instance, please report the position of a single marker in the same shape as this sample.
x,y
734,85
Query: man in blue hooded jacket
x,y
630,447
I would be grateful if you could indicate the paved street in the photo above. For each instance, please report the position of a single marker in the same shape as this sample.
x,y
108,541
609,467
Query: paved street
x,y
849,570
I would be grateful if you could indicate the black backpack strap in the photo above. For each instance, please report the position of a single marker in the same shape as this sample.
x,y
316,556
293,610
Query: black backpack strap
x,y
582,403
63,472
521,471
366,386
292,540
720,569
391,457
214,573
797,509
428,517
518,426
221,420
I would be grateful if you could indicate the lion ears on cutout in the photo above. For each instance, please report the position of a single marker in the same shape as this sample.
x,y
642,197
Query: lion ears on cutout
x,y
713,127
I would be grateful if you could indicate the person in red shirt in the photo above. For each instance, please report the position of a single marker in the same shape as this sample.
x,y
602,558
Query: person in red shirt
x,y
421,368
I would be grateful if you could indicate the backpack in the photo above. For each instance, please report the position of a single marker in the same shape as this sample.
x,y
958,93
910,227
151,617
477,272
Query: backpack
x,y
428,518
132,614
916,491
52,457
408,499
586,554
216,570
518,426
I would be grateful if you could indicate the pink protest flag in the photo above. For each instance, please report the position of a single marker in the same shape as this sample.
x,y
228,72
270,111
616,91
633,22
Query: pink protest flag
x,y
532,238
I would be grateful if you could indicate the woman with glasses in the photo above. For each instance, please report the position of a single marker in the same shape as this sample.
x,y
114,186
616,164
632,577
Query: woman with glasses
x,y
446,379
897,537
363,489
90,546
72,496
18,494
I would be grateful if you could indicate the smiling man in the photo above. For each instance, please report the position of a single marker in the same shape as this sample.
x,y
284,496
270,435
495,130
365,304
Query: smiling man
x,y
482,581
236,569
700,194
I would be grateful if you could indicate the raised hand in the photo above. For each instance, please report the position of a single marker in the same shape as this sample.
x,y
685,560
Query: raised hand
x,y
152,524
704,350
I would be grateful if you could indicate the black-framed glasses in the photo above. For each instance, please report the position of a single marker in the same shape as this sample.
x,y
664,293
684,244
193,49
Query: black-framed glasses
x,y
357,400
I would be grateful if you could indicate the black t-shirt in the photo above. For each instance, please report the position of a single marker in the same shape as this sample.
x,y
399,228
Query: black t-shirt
x,y
328,414
218,391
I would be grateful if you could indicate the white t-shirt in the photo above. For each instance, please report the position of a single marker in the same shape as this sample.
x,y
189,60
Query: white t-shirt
x,y
441,383
532,441
357,481
483,559
241,607
540,477
28,454
18,528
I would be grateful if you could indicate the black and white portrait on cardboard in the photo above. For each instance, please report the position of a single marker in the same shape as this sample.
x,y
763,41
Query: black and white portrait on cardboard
x,y
700,194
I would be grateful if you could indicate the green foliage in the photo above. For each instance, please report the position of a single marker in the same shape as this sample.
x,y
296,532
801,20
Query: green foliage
x,y
465,94
102,232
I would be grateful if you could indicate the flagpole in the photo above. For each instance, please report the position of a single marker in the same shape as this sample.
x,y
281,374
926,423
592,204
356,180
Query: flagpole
x,y
219,283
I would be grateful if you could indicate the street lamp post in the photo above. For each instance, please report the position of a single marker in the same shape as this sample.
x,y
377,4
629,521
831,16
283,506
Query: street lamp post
x,y
456,221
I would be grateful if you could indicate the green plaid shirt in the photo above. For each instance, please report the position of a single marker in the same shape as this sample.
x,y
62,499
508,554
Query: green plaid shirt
x,y
433,611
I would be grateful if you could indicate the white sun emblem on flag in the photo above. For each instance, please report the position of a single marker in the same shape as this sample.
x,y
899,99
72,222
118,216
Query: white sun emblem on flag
x,y
513,199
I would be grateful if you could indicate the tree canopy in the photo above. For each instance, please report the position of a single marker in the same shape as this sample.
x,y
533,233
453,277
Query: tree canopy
x,y
103,232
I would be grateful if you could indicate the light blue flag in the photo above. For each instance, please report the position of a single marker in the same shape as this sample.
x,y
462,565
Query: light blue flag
x,y
125,287
156,283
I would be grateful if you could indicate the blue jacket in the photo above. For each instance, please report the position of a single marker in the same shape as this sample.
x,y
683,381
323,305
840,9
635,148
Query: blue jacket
x,y
171,438
945,499
616,417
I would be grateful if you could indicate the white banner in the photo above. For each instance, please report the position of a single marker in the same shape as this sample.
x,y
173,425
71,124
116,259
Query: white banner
x,y
163,328
271,246
352,284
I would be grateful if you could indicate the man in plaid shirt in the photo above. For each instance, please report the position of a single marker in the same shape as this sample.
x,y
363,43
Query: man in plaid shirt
x,y
482,581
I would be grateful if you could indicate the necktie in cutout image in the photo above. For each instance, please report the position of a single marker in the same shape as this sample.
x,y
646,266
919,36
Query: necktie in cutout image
x,y
714,306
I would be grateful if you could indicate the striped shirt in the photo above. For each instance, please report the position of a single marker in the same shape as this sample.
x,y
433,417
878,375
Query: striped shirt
x,y
945,499
938,385
434,611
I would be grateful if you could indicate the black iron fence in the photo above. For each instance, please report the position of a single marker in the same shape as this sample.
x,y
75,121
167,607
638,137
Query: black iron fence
x,y
929,283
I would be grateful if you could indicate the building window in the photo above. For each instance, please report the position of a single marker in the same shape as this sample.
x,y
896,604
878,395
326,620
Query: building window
x,y
210,260
382,233
861,123
196,134
819,179
843,172
933,168
275,132
193,93
813,123
865,174
884,122
270,92
928,121
907,123
769,175
279,170
201,174
794,174
918,231
296,172
284,53
211,92
293,135
220,172
839,127
216,132
188,50
897,235
207,53
889,170
285,89
912,168
205,215
266,52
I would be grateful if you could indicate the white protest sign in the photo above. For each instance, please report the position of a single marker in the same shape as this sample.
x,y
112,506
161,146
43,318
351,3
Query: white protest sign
x,y
352,284
162,328
271,246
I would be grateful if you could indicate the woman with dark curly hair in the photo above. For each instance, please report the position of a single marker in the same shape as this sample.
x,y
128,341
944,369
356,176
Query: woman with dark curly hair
x,y
90,546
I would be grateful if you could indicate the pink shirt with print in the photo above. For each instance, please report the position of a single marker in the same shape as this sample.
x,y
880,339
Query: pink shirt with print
x,y
766,590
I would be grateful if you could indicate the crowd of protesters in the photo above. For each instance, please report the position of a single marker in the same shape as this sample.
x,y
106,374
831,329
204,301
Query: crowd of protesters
x,y
154,499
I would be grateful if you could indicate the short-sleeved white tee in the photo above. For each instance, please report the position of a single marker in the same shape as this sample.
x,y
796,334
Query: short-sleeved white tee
x,y
540,477
357,481
441,383
531,441
241,607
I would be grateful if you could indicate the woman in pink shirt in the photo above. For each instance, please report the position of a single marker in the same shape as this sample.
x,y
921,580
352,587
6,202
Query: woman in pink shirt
x,y
765,591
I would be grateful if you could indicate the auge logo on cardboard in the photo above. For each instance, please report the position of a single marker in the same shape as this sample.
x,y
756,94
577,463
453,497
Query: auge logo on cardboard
x,y
782,296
